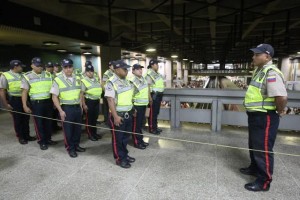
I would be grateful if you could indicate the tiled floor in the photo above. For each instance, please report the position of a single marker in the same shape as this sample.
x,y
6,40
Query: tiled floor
x,y
167,169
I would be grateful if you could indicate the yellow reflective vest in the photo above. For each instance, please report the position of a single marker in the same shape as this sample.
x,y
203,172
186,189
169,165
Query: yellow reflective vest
x,y
39,86
69,93
93,88
14,83
158,85
254,101
142,97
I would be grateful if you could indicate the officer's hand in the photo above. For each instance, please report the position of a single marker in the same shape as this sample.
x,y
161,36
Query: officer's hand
x,y
62,115
27,109
9,107
134,113
118,120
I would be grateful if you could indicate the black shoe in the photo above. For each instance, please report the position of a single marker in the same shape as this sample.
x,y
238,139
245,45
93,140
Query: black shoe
x,y
145,144
159,130
43,147
80,149
155,132
72,154
123,164
255,187
29,138
93,138
98,136
51,142
130,159
140,146
248,171
23,141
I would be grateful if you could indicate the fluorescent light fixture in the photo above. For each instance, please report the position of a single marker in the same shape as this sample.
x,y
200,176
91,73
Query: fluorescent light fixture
x,y
150,50
298,52
50,43
87,53
191,61
174,56
61,50
185,59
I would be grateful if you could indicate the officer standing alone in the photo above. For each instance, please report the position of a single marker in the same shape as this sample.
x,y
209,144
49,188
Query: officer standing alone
x,y
10,85
265,101
66,96
92,91
118,92
140,102
156,87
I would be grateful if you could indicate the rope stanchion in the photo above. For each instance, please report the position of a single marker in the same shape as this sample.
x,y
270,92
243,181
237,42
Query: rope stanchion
x,y
160,137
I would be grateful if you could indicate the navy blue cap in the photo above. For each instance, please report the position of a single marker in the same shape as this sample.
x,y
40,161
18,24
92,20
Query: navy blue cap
x,y
56,64
66,62
14,63
110,63
88,63
152,62
49,64
89,68
120,64
37,61
264,48
137,66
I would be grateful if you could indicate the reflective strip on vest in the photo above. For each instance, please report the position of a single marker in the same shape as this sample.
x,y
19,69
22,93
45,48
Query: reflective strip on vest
x,y
69,94
14,84
158,85
93,89
254,101
142,97
40,86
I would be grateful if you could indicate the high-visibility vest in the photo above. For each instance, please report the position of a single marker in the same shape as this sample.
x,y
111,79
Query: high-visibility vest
x,y
158,85
124,92
14,83
142,97
254,101
69,93
93,88
39,86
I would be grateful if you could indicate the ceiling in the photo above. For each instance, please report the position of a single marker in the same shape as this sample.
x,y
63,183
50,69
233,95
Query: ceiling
x,y
202,30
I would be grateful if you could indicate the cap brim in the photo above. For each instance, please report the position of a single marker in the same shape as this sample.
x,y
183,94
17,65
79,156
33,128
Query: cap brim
x,y
256,50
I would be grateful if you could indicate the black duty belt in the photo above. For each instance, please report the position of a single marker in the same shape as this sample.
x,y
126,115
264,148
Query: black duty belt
x,y
261,113
40,101
157,93
126,114
71,105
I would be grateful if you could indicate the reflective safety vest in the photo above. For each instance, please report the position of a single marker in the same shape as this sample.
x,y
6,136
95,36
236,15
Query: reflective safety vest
x,y
69,93
109,73
124,92
93,88
254,101
39,86
142,97
158,85
14,83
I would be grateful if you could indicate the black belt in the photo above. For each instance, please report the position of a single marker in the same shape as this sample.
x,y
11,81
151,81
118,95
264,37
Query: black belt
x,y
126,114
71,105
157,93
262,113
40,101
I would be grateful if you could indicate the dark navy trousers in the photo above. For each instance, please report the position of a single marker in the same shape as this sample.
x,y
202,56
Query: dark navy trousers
x,y
138,124
21,121
154,110
43,127
120,139
72,132
262,134
91,116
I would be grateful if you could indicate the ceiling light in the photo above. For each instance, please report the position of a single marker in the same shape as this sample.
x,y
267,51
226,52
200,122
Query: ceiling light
x,y
174,56
191,61
61,50
298,52
50,43
87,53
185,59
150,50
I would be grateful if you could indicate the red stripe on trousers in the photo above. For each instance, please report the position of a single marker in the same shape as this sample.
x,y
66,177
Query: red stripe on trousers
x,y
36,129
86,125
65,137
114,138
267,152
134,129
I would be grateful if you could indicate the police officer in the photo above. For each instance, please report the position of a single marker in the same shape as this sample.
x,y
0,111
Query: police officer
x,y
37,84
118,92
156,87
265,101
66,96
140,101
50,68
92,91
56,69
106,76
10,85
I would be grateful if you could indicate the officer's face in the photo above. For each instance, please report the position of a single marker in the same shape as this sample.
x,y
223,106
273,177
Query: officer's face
x,y
18,69
89,74
56,69
138,72
37,68
155,67
121,72
50,69
68,70
260,59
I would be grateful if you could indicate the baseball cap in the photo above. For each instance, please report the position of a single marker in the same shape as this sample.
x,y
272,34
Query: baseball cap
x,y
152,62
137,66
89,68
14,63
56,64
263,48
67,62
120,64
37,61
88,63
49,64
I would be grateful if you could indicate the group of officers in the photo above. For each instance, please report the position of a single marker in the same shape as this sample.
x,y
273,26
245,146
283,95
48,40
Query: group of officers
x,y
47,93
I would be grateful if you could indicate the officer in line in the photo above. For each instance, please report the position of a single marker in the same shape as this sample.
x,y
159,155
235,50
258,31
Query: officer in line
x,y
118,92
156,87
140,102
50,68
92,91
56,69
66,96
10,86
37,84
265,101
106,76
